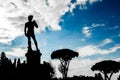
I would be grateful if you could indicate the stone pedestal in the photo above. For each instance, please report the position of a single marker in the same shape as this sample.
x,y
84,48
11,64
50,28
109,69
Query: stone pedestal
x,y
33,57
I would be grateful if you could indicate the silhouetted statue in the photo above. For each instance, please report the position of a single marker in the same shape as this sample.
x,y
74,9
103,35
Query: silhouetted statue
x,y
65,56
32,56
29,31
107,67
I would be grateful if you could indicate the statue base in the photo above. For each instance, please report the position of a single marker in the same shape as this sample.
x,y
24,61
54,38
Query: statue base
x,y
33,57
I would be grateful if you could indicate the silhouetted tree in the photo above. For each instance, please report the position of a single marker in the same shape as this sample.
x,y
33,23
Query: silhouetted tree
x,y
18,62
98,76
65,56
48,69
14,63
6,68
107,67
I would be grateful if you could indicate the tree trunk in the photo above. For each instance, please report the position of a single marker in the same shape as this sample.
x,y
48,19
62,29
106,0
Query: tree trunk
x,y
105,76
63,76
110,76
65,72
67,67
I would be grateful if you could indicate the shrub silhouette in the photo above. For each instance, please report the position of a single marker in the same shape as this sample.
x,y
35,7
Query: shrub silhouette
x,y
6,67
48,69
107,67
65,56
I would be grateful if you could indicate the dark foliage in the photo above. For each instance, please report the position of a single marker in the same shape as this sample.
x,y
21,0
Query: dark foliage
x,y
22,71
107,67
65,54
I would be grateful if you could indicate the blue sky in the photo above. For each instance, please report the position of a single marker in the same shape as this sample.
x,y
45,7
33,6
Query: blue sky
x,y
104,14
90,27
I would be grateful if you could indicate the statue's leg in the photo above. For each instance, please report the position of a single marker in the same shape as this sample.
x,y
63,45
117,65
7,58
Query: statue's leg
x,y
29,42
34,39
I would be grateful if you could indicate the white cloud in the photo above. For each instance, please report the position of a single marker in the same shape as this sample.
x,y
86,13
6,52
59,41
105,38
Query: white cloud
x,y
14,14
106,41
87,30
90,50
72,6
110,50
16,52
82,67
92,1
97,25
7,31
87,50
82,3
47,14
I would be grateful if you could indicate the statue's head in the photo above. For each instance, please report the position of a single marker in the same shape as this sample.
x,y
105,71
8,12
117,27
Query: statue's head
x,y
30,17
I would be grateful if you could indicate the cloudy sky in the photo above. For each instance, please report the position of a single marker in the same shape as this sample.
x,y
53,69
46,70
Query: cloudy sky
x,y
90,27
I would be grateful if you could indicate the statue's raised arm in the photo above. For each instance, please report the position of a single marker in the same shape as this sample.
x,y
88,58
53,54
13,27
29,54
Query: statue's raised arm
x,y
35,23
